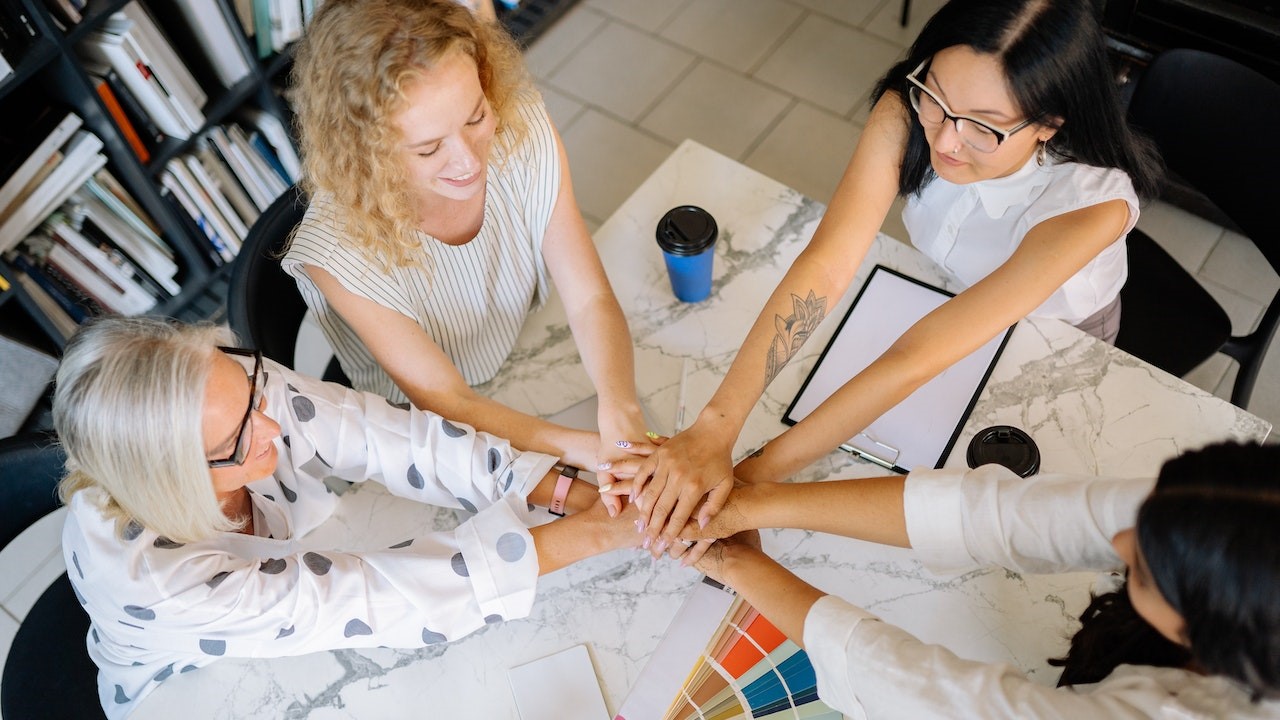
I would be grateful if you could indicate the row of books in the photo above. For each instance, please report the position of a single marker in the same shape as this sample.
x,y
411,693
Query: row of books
x,y
273,24
227,178
98,253
149,73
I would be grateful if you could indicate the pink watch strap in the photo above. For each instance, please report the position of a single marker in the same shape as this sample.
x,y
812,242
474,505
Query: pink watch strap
x,y
567,475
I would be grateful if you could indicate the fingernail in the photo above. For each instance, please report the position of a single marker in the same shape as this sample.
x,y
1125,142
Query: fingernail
x,y
613,512
702,522
623,444
646,543
651,435
640,524
662,545
685,561
604,465
606,487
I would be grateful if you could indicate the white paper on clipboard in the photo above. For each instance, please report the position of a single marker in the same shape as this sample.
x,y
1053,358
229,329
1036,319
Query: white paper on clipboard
x,y
919,431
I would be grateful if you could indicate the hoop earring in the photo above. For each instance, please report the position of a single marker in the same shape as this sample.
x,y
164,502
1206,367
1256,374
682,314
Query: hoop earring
x,y
1042,152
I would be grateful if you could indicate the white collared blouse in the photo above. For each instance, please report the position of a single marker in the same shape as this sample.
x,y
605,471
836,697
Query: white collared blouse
x,y
972,229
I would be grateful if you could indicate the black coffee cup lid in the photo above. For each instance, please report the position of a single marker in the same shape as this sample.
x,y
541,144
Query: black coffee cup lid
x,y
1004,445
686,230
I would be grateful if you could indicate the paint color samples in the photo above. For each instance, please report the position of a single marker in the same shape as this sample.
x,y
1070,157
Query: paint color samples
x,y
748,670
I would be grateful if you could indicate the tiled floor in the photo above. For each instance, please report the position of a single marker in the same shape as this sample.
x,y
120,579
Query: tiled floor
x,y
780,85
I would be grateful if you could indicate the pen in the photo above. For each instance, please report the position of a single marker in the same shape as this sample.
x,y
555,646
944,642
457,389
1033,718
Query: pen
x,y
684,381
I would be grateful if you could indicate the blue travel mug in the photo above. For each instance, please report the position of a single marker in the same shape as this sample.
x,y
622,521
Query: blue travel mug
x,y
687,236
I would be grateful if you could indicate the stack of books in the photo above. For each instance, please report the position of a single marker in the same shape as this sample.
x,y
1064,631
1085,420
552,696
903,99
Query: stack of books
x,y
273,24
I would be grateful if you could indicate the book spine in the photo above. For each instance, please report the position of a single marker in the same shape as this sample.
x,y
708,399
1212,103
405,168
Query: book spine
x,y
121,120
146,128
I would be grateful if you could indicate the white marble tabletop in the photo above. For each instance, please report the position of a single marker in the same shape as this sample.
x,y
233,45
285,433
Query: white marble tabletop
x,y
1090,408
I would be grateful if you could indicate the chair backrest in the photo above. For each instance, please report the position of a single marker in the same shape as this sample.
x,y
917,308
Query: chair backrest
x,y
263,304
30,469
1215,122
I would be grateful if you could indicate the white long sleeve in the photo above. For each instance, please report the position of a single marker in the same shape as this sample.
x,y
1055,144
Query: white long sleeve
x,y
159,607
867,668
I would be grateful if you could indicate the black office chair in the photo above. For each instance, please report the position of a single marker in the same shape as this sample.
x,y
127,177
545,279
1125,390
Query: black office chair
x,y
1215,122
48,673
263,304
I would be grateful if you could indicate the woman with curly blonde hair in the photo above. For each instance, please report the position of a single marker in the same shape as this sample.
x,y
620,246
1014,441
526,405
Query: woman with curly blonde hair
x,y
441,212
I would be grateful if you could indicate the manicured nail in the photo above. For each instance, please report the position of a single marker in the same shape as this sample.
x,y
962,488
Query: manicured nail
x,y
623,444
640,524
662,545
702,522
606,487
646,543
613,512
604,465
651,435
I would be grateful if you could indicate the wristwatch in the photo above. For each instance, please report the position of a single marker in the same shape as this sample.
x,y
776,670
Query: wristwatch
x,y
568,474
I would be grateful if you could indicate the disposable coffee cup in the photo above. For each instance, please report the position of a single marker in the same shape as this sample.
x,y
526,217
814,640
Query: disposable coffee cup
x,y
687,236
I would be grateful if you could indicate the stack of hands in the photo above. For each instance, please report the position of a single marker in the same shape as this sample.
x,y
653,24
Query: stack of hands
x,y
692,517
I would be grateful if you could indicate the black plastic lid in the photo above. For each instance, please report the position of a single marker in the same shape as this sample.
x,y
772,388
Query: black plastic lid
x,y
686,230
1004,445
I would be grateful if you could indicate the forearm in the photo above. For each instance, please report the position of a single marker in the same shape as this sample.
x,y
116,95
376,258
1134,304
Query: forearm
x,y
582,494
582,535
604,342
870,509
778,594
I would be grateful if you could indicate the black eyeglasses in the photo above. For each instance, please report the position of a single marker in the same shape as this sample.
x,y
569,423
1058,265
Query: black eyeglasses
x,y
257,385
932,111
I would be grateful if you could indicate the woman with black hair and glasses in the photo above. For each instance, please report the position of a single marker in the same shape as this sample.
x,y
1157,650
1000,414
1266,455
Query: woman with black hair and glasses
x,y
196,475
1194,631
1004,131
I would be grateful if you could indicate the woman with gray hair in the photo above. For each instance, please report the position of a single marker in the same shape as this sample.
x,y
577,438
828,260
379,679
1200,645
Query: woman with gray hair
x,y
196,472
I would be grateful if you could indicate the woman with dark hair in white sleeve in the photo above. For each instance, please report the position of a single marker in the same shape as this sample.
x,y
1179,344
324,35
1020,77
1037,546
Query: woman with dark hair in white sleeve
x,y
1193,633
196,472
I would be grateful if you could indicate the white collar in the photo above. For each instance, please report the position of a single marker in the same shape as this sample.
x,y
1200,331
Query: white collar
x,y
999,194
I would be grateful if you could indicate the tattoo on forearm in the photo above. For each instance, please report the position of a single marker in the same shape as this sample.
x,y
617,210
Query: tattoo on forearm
x,y
793,331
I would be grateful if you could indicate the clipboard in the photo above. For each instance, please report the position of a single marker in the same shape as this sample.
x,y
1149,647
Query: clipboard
x,y
921,430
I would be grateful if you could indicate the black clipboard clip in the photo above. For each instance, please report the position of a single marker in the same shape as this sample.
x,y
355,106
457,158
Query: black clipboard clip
x,y
885,455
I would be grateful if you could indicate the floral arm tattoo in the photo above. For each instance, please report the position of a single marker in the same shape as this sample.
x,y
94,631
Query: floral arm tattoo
x,y
793,332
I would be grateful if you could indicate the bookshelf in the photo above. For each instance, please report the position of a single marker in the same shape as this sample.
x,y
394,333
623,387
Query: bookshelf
x,y
52,70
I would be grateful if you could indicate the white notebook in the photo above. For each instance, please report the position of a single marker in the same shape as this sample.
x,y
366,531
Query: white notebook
x,y
919,431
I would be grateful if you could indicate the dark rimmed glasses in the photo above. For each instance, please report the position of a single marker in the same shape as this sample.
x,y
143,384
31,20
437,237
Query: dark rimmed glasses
x,y
257,385
932,111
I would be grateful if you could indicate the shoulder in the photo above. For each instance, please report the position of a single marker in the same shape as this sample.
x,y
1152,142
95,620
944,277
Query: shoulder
x,y
1071,180
535,140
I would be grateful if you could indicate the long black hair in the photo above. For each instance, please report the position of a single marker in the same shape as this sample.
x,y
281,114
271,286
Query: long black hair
x,y
1210,535
1055,61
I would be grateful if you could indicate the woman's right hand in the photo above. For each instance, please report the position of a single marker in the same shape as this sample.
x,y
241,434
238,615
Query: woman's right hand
x,y
692,471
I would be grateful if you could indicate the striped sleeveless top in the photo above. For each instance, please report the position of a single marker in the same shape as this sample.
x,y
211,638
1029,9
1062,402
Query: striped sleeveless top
x,y
471,299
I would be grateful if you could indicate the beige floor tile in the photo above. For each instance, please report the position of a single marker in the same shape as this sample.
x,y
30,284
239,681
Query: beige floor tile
x,y
557,44
562,108
609,160
719,108
886,23
1236,262
622,70
828,64
735,33
648,14
852,12
1243,311
20,603
808,151
1188,238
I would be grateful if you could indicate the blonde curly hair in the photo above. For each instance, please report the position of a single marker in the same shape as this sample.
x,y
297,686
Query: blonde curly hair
x,y
351,69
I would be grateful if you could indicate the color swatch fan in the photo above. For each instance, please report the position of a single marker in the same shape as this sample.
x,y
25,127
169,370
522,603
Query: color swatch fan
x,y
722,660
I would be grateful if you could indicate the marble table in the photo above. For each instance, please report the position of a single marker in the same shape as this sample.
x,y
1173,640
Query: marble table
x,y
1090,407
